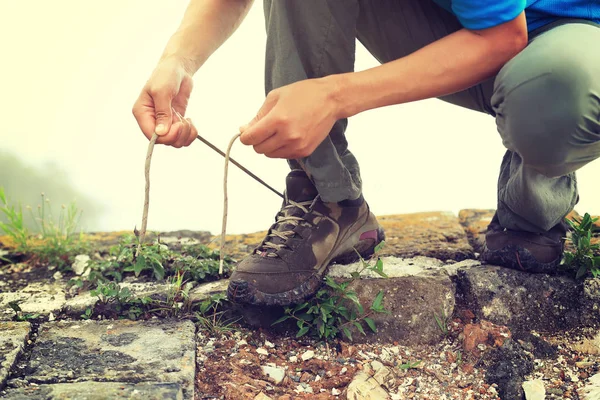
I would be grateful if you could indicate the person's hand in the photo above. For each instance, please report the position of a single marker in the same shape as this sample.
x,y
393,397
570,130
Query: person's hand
x,y
293,120
162,103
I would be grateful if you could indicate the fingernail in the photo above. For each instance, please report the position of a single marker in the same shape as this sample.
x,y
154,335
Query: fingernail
x,y
243,128
160,129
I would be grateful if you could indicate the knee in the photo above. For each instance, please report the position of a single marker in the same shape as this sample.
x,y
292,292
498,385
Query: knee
x,y
552,119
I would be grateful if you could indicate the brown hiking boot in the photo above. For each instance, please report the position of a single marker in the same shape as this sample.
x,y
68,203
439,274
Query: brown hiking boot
x,y
524,251
308,235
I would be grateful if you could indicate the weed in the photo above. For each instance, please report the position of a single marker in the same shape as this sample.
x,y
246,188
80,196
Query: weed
x,y
19,314
333,312
87,314
116,301
211,318
585,260
55,243
442,321
409,365
14,227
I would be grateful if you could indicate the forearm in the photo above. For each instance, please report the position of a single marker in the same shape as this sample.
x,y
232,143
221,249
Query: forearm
x,y
451,64
206,25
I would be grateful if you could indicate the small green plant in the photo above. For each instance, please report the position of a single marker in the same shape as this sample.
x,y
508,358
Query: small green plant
x,y
116,301
19,314
56,241
331,313
14,227
442,321
212,318
409,365
585,260
87,314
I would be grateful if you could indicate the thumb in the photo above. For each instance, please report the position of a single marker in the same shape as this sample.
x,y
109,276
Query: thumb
x,y
162,114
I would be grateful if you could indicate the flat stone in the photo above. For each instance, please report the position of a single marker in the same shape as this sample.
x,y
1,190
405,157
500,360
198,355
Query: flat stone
x,y
99,391
534,390
115,351
412,297
393,267
431,234
12,341
475,222
275,373
36,298
205,290
364,387
591,391
523,301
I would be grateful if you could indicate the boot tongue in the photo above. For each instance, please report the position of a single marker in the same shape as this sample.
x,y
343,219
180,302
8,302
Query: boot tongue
x,y
299,187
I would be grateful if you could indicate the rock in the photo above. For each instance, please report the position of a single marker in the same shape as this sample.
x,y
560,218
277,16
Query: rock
x,y
77,305
262,396
475,223
483,333
522,301
335,392
97,390
385,377
307,355
36,298
591,391
417,289
293,359
13,336
376,365
115,351
507,366
262,351
80,264
275,373
432,234
534,390
205,290
587,346
363,387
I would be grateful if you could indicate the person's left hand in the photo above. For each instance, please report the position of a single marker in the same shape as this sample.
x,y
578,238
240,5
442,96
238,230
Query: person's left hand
x,y
293,120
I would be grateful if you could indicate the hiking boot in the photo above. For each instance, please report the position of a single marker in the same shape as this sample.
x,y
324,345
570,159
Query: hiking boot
x,y
524,251
308,235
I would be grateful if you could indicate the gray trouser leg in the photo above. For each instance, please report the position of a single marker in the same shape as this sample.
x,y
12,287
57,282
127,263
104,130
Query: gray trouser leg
x,y
312,39
547,106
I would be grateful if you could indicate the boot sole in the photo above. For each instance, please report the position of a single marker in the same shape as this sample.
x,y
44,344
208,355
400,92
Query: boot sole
x,y
520,259
242,292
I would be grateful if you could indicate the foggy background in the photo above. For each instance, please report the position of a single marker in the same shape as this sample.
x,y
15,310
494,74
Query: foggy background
x,y
71,71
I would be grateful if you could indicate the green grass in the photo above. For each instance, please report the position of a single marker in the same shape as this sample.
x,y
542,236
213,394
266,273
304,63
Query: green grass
x,y
585,261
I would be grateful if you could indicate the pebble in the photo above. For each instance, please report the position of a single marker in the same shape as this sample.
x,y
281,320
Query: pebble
x,y
293,359
269,344
241,343
308,355
262,351
335,392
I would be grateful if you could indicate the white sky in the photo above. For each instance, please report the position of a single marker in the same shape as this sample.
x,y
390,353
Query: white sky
x,y
72,69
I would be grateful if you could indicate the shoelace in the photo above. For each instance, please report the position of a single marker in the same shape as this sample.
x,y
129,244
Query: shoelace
x,y
282,221
142,232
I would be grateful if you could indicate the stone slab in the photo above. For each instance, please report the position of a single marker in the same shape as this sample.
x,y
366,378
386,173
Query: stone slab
x,y
13,336
36,298
98,391
431,234
523,301
205,290
475,222
115,351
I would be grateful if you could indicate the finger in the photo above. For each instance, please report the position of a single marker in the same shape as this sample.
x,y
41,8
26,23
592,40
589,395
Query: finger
x,y
268,146
259,132
281,152
172,136
183,135
163,113
193,133
143,111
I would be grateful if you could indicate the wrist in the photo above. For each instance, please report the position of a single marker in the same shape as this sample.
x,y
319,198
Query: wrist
x,y
340,93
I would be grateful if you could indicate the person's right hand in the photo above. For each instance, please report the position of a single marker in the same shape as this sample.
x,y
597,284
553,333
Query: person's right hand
x,y
161,106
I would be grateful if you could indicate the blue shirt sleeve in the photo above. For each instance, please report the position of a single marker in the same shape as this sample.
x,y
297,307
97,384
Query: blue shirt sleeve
x,y
481,14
